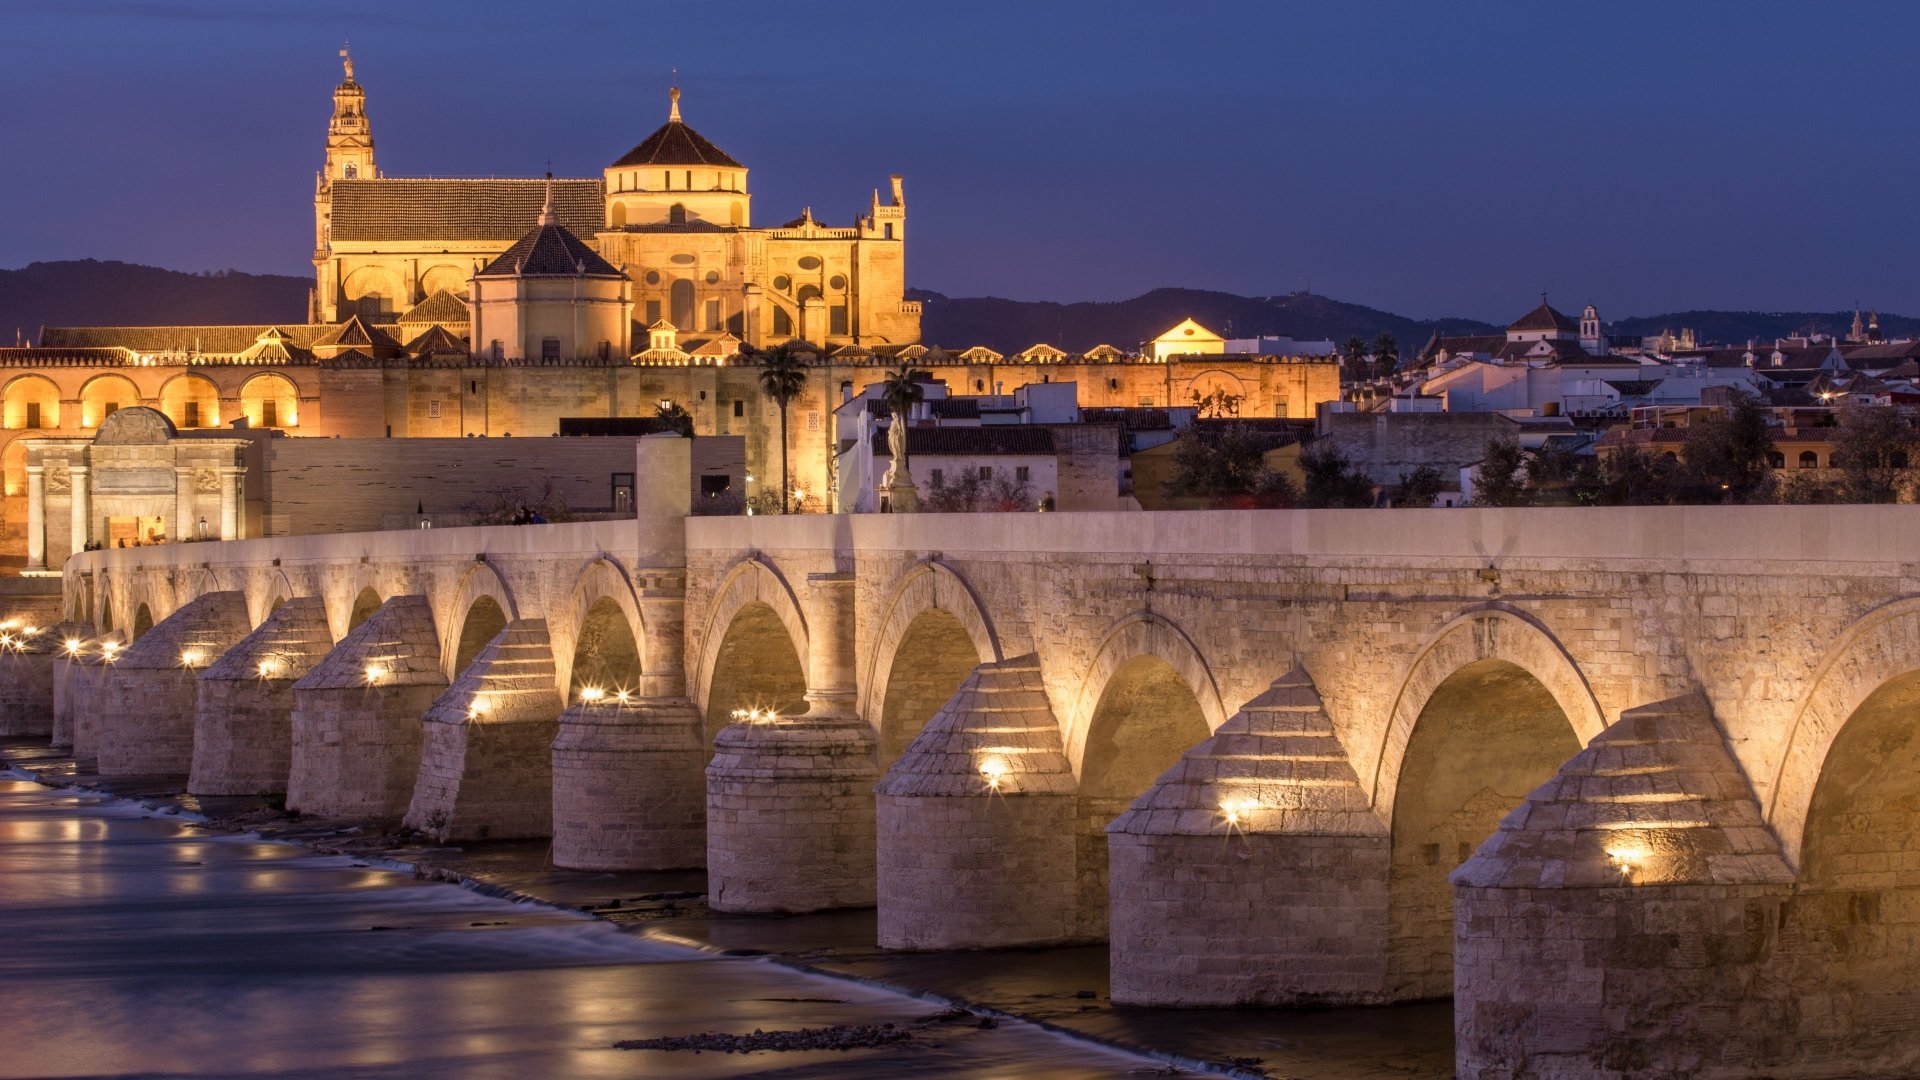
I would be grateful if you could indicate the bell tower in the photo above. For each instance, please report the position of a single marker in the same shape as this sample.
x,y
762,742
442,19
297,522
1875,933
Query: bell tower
x,y
349,138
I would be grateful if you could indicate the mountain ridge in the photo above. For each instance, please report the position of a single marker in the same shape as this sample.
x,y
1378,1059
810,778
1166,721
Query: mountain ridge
x,y
95,292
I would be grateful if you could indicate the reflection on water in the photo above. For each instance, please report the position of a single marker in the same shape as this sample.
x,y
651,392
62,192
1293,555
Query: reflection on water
x,y
135,947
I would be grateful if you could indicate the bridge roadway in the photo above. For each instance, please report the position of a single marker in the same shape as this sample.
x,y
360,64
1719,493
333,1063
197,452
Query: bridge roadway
x,y
1637,787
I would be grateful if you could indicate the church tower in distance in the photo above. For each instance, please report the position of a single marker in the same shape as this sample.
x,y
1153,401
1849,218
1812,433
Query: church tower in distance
x,y
349,157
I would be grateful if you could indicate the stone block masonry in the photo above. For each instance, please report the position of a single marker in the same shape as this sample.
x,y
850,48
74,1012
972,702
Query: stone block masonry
x,y
356,718
243,716
629,790
486,752
29,656
975,822
1254,872
148,696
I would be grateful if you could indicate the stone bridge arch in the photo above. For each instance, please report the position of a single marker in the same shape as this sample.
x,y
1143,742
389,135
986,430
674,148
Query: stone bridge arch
x,y
266,592
1490,632
751,581
479,607
1140,634
930,606
1874,650
602,582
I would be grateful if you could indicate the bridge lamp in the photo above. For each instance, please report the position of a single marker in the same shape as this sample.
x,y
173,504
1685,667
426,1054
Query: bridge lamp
x,y
109,650
591,694
478,708
374,673
993,770
30,631
73,646
1629,859
1236,811
192,658
623,697
739,716
271,666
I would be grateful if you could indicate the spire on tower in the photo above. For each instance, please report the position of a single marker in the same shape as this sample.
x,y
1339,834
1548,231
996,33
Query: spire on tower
x,y
673,113
547,216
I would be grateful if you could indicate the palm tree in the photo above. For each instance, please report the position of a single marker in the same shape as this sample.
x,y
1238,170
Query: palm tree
x,y
1354,351
1386,353
902,391
782,377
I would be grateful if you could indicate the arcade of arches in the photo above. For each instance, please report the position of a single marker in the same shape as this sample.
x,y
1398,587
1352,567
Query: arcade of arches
x,y
756,667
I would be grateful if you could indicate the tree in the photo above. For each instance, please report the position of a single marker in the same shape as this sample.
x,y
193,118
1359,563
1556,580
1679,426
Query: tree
x,y
676,416
1557,476
903,390
1503,480
1729,459
1634,476
783,375
1332,481
1419,488
969,492
1386,354
1873,450
1354,352
1216,465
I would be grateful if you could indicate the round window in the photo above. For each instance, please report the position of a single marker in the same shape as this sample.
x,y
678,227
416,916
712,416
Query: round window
x,y
713,277
783,283
837,282
653,277
809,262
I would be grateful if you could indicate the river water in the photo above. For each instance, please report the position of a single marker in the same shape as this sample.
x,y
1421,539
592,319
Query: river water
x,y
136,946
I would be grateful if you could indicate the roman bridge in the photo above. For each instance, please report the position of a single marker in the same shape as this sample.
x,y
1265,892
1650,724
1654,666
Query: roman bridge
x,y
1637,786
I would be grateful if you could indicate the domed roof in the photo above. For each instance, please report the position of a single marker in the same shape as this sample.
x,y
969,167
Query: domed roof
x,y
676,144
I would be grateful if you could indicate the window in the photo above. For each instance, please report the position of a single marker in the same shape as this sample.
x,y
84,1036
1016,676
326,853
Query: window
x,y
813,421
1022,474
846,389
549,349
711,485
473,386
1897,459
689,179
1113,384
433,408
889,232
739,408
837,319
1776,460
713,315
986,472
939,477
192,415
606,350
270,413
677,214
33,414
109,409
979,386
653,312
623,491
1809,459
782,323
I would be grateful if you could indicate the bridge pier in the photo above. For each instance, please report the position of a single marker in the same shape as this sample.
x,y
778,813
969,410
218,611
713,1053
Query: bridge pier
x,y
1254,872
1621,922
147,698
243,715
86,672
356,717
790,811
486,751
27,661
976,822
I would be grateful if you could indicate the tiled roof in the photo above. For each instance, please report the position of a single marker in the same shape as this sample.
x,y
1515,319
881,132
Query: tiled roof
x,y
496,210
436,339
551,251
1882,355
104,356
356,334
676,144
155,339
1544,318
954,408
1129,418
1002,440
1474,343
442,307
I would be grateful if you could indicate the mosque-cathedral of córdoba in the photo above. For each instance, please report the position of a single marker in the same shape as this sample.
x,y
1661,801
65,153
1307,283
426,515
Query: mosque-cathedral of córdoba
x,y
484,308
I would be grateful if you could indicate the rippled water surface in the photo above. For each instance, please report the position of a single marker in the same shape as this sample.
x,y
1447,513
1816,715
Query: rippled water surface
x,y
132,946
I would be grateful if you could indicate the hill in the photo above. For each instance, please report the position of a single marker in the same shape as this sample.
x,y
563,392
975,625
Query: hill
x,y
90,292
1011,325
1737,327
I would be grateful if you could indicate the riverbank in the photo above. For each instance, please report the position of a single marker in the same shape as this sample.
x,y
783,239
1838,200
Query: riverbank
x,y
1064,989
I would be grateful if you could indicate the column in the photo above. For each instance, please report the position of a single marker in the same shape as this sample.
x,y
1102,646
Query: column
x,y
82,507
232,485
830,687
185,525
36,517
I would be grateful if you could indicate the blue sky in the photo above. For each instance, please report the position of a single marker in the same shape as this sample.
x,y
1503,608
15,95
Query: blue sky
x,y
1429,158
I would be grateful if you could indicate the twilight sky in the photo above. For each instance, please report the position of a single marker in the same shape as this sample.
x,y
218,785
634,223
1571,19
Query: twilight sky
x,y
1429,158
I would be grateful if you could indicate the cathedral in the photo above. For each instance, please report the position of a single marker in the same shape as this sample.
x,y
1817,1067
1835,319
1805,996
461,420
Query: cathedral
x,y
674,215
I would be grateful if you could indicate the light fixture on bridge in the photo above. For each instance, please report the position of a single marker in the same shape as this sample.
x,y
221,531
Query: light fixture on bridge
x,y
74,645
1628,859
592,694
993,770
271,666
30,631
478,708
375,672
109,651
192,658
1235,812
623,697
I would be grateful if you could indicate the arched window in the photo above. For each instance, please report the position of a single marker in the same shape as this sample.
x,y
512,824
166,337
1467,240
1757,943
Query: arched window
x,y
1897,459
1809,459
1776,459
782,323
677,214
680,306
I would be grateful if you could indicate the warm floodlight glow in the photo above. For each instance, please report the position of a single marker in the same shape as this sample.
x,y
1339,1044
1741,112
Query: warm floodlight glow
x,y
271,666
192,657
993,770
622,697
1236,811
1627,858
478,708
73,646
30,630
591,694
375,672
